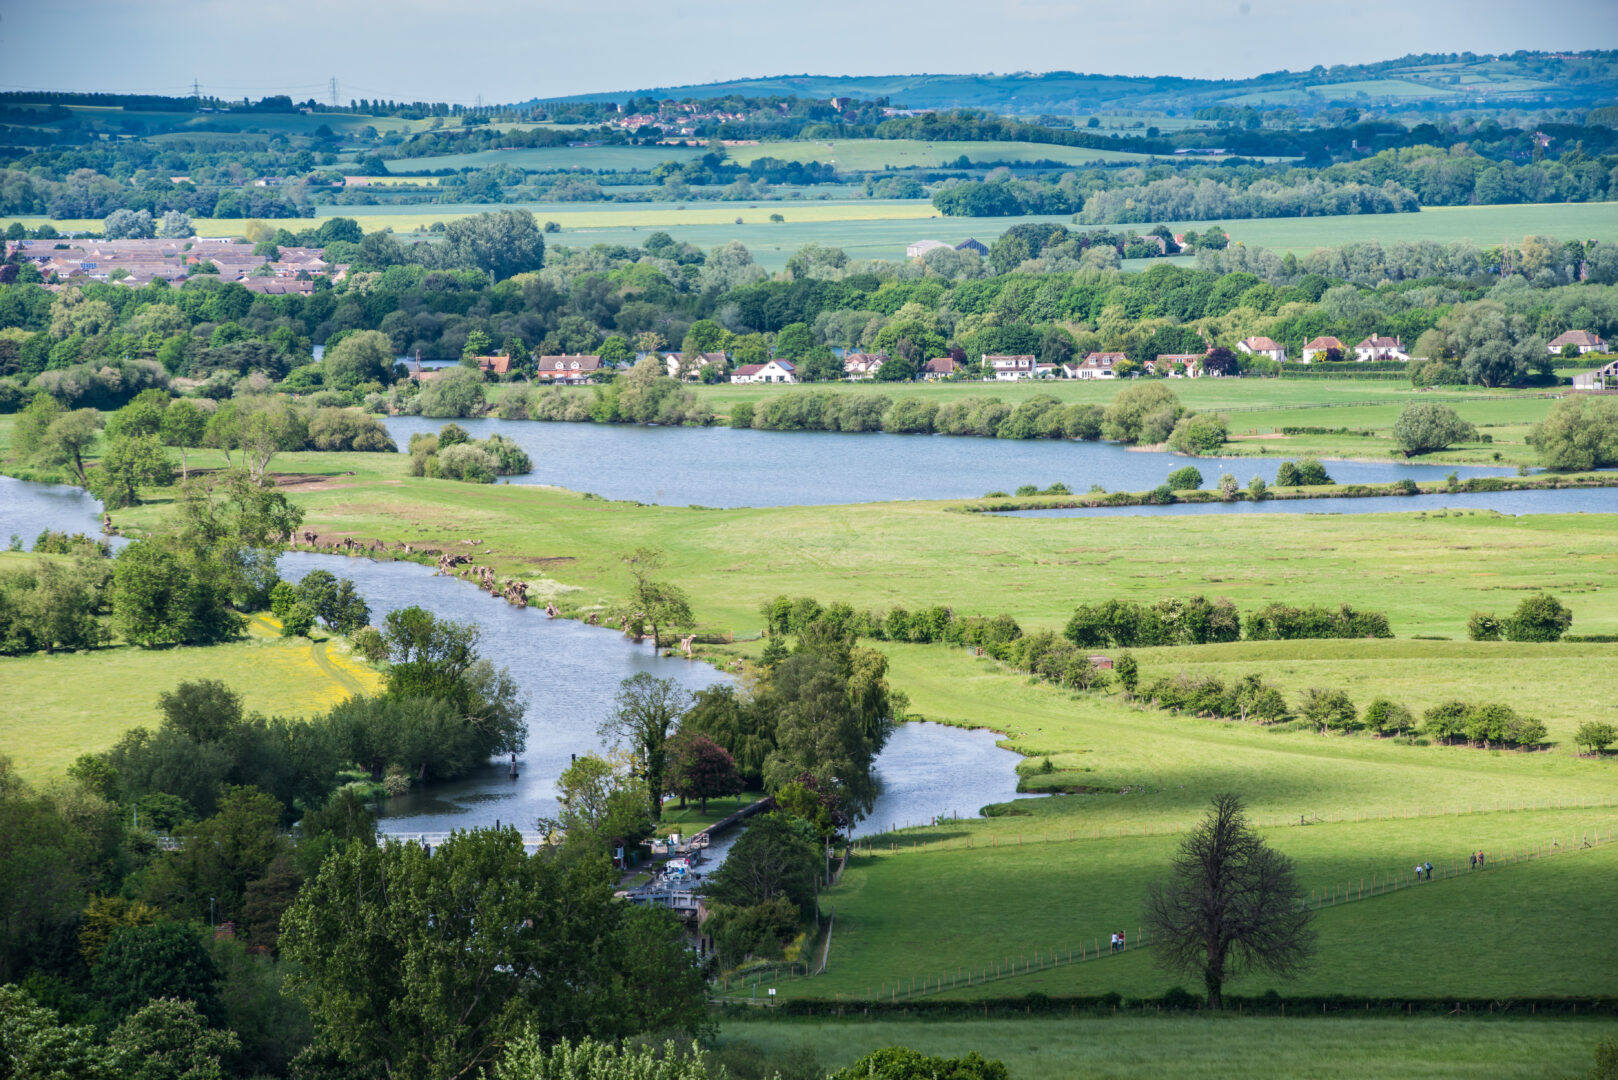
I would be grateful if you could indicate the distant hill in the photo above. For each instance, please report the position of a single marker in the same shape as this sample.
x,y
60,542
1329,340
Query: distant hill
x,y
1455,80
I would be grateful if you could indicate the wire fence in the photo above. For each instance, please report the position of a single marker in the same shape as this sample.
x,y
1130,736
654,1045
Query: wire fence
x,y
895,843
1024,964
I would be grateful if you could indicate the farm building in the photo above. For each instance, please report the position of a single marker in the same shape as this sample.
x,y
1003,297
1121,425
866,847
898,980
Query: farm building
x,y
922,247
1602,378
974,245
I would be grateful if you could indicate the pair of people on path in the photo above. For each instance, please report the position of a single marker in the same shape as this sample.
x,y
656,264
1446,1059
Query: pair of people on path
x,y
1118,942
1424,870
1477,860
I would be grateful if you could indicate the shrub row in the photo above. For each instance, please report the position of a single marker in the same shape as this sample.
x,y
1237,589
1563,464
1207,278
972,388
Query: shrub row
x,y
1199,621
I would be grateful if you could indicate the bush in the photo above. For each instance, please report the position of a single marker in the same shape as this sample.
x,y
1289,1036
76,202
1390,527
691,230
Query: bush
x,y
1483,626
471,464
299,621
1328,710
1541,617
1200,433
1279,622
1446,721
1388,717
1595,736
1425,426
1185,479
903,1063
1258,489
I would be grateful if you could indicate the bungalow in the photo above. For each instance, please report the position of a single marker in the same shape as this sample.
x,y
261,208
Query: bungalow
x,y
939,367
1380,348
1047,371
567,369
1602,378
1319,347
1583,340
1007,368
1263,346
677,361
776,371
1098,365
859,366
494,365
922,247
974,245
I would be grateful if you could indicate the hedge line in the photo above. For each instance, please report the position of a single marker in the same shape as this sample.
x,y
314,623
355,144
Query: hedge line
x,y
1179,1000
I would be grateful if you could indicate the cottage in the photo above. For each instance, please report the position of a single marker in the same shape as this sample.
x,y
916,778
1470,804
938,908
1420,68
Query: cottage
x,y
940,367
494,365
1180,365
776,371
974,245
1583,340
1263,346
1008,368
1097,365
861,366
922,247
1320,346
1380,348
567,369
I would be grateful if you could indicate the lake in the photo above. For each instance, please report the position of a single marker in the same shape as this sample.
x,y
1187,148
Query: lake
x,y
725,467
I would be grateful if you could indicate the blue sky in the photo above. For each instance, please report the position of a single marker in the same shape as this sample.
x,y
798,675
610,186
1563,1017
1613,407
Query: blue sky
x,y
506,50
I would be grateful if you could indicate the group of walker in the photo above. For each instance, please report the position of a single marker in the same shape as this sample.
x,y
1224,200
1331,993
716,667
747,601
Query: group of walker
x,y
1424,870
1118,942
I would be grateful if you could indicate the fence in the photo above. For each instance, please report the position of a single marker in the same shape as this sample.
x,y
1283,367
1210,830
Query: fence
x,y
1332,896
892,844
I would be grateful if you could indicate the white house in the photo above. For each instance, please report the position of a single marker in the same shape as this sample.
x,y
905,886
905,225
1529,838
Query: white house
x,y
1098,365
674,361
859,366
1583,339
776,371
1263,346
1186,365
1008,368
922,247
1318,346
1380,348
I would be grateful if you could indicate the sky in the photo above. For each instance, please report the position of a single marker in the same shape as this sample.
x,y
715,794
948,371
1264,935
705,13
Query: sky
x,y
513,50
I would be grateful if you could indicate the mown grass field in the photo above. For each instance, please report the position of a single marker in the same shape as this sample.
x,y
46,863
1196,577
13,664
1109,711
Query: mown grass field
x,y
555,158
862,155
1211,1047
63,705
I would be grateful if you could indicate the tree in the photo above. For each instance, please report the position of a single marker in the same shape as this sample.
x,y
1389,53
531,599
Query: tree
x,y
602,802
1200,433
1483,626
1231,905
503,243
701,769
1494,347
205,710
163,959
1188,478
1595,736
36,1045
1388,717
421,968
1328,710
183,427
1541,617
175,225
903,1063
127,463
1425,426
67,439
28,434
645,711
364,357
531,1058
1140,412
269,427
128,225
478,343
1578,433
770,860
1127,670
159,600
661,605
169,1039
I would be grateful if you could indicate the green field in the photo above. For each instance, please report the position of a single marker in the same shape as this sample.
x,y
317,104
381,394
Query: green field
x,y
555,158
866,155
1483,225
1210,1048
67,704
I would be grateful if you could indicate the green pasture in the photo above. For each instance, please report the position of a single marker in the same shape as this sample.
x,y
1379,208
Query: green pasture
x,y
1483,225
1203,1047
63,705
948,918
555,158
868,155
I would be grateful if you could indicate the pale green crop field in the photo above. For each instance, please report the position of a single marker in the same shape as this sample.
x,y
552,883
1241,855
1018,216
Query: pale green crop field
x,y
554,158
865,154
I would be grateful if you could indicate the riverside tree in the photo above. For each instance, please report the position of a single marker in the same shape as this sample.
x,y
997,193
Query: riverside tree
x,y
1231,905
645,712
660,605
1425,426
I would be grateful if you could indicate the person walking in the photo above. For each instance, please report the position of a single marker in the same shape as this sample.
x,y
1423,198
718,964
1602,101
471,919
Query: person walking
x,y
1472,861
1114,941
1123,942
1429,868
1418,871
1480,859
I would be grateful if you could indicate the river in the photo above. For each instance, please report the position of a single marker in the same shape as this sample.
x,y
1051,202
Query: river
x,y
570,672
724,467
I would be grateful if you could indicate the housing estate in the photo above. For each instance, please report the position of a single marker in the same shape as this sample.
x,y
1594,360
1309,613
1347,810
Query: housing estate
x,y
140,262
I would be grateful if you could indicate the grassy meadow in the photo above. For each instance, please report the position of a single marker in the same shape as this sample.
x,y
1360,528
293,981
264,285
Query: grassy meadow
x,y
1133,1047
67,704
867,155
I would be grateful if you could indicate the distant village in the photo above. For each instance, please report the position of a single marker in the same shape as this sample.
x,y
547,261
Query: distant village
x,y
135,263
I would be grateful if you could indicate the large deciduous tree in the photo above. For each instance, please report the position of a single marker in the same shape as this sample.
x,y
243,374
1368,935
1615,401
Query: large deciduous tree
x,y
659,604
1230,905
1579,433
645,711
701,769
1425,426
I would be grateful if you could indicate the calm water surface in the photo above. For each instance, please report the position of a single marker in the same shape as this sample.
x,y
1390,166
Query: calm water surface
x,y
717,466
